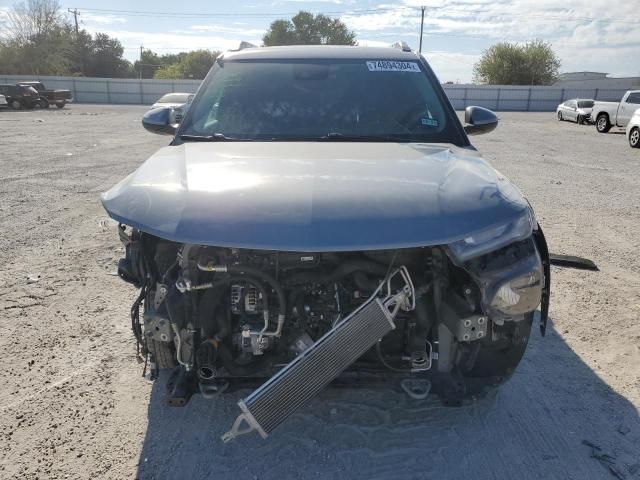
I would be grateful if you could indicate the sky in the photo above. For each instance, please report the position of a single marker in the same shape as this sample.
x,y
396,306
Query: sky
x,y
591,35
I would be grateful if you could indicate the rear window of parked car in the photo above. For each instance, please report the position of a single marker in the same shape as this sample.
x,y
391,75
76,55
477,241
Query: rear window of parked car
x,y
634,98
585,104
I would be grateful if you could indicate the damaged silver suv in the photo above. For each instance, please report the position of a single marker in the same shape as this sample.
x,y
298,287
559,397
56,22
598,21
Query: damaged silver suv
x,y
320,216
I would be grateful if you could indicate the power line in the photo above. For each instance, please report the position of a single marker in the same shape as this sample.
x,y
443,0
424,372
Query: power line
x,y
361,12
237,14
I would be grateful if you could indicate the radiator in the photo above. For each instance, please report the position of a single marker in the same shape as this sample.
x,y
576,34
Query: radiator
x,y
315,368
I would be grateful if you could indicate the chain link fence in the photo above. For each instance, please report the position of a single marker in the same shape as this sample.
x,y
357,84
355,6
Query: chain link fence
x,y
494,97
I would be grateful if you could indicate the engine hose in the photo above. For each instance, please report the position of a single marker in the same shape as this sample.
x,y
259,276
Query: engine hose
x,y
135,319
386,364
344,269
424,322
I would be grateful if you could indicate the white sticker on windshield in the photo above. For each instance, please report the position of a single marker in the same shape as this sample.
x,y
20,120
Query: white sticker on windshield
x,y
392,66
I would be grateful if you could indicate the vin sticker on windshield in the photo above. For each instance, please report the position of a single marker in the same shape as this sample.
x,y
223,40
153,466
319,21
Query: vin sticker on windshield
x,y
429,122
392,66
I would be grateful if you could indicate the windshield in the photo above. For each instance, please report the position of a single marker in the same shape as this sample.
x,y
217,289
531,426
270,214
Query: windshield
x,y
585,104
174,98
318,99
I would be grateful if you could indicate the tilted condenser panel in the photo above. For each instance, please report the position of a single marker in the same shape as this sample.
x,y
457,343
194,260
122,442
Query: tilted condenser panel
x,y
314,369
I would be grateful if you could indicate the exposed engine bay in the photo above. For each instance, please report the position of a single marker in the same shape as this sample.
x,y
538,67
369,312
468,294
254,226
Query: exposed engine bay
x,y
226,317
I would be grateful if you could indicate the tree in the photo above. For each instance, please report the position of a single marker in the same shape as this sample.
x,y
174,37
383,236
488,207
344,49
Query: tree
x,y
149,62
33,18
195,64
105,59
308,29
534,63
36,35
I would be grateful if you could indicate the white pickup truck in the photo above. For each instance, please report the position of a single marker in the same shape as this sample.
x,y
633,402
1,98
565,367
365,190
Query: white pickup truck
x,y
612,114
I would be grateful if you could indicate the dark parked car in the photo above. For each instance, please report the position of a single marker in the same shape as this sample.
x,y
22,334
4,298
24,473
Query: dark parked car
x,y
321,216
20,96
47,97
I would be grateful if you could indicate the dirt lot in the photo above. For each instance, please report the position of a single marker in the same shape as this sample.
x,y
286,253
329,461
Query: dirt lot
x,y
73,403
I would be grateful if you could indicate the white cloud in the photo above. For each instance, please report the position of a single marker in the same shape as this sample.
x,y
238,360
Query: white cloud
x,y
452,67
372,43
605,43
89,18
173,42
463,27
237,31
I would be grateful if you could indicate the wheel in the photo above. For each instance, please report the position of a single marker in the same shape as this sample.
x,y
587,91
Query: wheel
x,y
602,123
44,103
560,116
61,104
580,120
37,105
634,138
16,105
162,353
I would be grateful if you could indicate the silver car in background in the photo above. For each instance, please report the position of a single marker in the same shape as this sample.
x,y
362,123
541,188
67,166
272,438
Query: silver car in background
x,y
3,102
576,110
633,130
179,102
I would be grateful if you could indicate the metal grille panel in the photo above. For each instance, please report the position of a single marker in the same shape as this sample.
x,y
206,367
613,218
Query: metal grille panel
x,y
313,370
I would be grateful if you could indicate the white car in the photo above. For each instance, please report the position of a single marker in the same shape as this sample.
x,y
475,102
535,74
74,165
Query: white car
x,y
3,102
633,130
613,114
178,101
577,110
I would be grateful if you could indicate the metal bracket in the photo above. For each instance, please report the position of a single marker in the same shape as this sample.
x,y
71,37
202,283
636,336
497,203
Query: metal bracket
x,y
471,328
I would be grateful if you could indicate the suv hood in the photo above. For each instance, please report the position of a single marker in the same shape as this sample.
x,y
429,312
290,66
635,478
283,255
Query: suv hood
x,y
314,196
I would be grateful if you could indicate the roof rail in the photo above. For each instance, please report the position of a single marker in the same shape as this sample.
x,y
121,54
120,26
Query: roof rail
x,y
404,46
244,45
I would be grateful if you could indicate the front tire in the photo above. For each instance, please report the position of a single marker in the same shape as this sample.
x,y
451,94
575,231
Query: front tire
x,y
634,138
560,116
602,123
16,104
580,120
61,104
44,103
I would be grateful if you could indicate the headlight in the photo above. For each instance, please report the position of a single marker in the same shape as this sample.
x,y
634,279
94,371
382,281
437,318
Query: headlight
x,y
510,279
519,295
494,238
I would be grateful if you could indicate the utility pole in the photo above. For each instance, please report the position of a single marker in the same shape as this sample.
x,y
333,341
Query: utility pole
x,y
75,17
141,50
421,29
79,51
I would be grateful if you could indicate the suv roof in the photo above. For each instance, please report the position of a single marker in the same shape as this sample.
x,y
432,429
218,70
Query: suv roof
x,y
321,51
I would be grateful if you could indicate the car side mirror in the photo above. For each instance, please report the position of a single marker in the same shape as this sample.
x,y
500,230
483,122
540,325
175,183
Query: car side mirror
x,y
158,121
478,120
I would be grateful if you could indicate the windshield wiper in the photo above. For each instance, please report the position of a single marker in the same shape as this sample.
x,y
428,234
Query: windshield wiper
x,y
341,137
216,137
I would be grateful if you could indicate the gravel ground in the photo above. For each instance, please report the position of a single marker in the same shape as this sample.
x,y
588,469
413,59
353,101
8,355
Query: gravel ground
x,y
73,403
